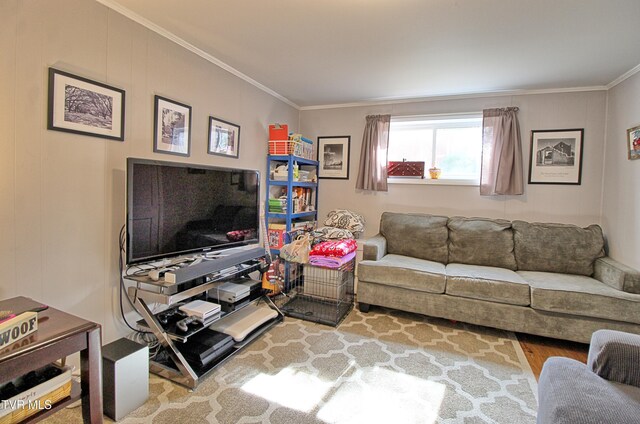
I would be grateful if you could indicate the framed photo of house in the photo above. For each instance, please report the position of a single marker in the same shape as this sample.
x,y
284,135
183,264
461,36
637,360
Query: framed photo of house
x,y
224,138
172,127
333,157
633,142
81,106
556,156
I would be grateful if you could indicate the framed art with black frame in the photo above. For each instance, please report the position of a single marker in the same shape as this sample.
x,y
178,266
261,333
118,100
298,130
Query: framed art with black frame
x,y
556,156
633,143
172,127
81,106
224,138
333,157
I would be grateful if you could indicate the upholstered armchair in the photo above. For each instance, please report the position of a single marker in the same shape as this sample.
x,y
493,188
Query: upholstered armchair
x,y
604,390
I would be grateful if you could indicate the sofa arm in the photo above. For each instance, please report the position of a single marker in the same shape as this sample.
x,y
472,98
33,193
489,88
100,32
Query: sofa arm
x,y
569,393
374,248
617,275
615,355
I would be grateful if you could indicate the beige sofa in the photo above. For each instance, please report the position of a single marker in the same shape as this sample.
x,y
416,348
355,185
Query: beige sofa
x,y
552,280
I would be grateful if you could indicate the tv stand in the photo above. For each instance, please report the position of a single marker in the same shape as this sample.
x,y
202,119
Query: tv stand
x,y
170,362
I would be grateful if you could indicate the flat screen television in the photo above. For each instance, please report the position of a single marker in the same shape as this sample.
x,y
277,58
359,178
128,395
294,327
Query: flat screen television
x,y
176,208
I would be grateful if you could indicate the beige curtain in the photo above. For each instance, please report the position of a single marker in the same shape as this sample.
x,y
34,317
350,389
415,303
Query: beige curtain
x,y
501,171
372,171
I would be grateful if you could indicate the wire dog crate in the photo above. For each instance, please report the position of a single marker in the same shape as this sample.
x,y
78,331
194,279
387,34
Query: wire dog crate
x,y
322,295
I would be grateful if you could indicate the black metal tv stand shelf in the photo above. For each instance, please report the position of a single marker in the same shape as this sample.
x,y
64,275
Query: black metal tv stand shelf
x,y
170,361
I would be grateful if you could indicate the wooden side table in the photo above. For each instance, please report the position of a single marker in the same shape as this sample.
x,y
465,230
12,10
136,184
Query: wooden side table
x,y
59,335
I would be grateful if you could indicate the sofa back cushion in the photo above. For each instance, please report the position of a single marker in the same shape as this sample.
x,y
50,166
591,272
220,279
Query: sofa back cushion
x,y
417,235
557,247
481,241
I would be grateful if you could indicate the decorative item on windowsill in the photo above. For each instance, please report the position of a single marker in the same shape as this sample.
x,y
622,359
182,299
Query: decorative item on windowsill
x,y
405,169
434,173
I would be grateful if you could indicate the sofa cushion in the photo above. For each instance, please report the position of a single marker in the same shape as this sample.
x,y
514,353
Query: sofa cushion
x,y
416,235
580,295
404,271
487,283
561,248
481,241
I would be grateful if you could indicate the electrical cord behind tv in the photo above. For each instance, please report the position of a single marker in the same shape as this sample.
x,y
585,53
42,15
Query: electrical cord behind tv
x,y
122,285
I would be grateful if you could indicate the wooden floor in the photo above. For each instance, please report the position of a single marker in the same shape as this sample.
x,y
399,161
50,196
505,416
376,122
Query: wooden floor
x,y
538,349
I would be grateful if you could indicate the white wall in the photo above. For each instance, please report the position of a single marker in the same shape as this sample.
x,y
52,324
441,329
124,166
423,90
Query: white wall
x,y
63,195
621,193
547,203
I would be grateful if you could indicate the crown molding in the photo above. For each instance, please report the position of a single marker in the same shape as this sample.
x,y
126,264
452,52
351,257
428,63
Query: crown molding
x,y
116,7
631,72
496,93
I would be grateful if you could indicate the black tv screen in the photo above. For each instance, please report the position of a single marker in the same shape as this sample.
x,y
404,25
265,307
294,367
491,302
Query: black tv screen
x,y
175,208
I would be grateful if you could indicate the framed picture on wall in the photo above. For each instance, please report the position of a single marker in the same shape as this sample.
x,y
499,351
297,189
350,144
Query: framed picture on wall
x,y
633,142
172,127
556,156
224,138
333,157
81,106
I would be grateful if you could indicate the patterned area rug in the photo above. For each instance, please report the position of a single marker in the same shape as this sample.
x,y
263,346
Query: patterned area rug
x,y
381,367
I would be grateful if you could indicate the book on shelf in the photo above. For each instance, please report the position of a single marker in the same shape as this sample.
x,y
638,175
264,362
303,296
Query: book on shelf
x,y
302,199
278,205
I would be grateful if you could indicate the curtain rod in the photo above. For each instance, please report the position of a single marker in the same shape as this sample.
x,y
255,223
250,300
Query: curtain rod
x,y
438,114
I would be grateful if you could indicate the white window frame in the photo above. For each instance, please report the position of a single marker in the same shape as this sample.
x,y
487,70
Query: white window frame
x,y
435,124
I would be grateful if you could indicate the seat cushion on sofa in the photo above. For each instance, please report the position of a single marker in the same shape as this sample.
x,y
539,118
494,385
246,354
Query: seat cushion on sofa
x,y
487,283
561,248
481,241
580,295
404,271
569,393
416,235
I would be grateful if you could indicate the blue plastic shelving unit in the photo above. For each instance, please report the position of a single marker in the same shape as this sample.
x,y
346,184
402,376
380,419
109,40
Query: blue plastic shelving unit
x,y
289,184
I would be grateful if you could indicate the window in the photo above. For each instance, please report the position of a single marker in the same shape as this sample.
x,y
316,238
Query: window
x,y
452,143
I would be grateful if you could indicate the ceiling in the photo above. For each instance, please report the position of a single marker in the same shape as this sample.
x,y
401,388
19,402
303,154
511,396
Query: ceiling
x,y
331,52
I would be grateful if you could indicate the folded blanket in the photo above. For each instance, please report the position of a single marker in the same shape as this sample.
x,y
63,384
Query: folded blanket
x,y
337,248
330,261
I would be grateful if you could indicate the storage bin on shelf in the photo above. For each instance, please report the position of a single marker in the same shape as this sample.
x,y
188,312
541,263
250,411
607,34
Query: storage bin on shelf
x,y
301,147
281,173
278,131
34,399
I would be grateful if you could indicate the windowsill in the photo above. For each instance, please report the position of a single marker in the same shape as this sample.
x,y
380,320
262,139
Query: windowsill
x,y
428,181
